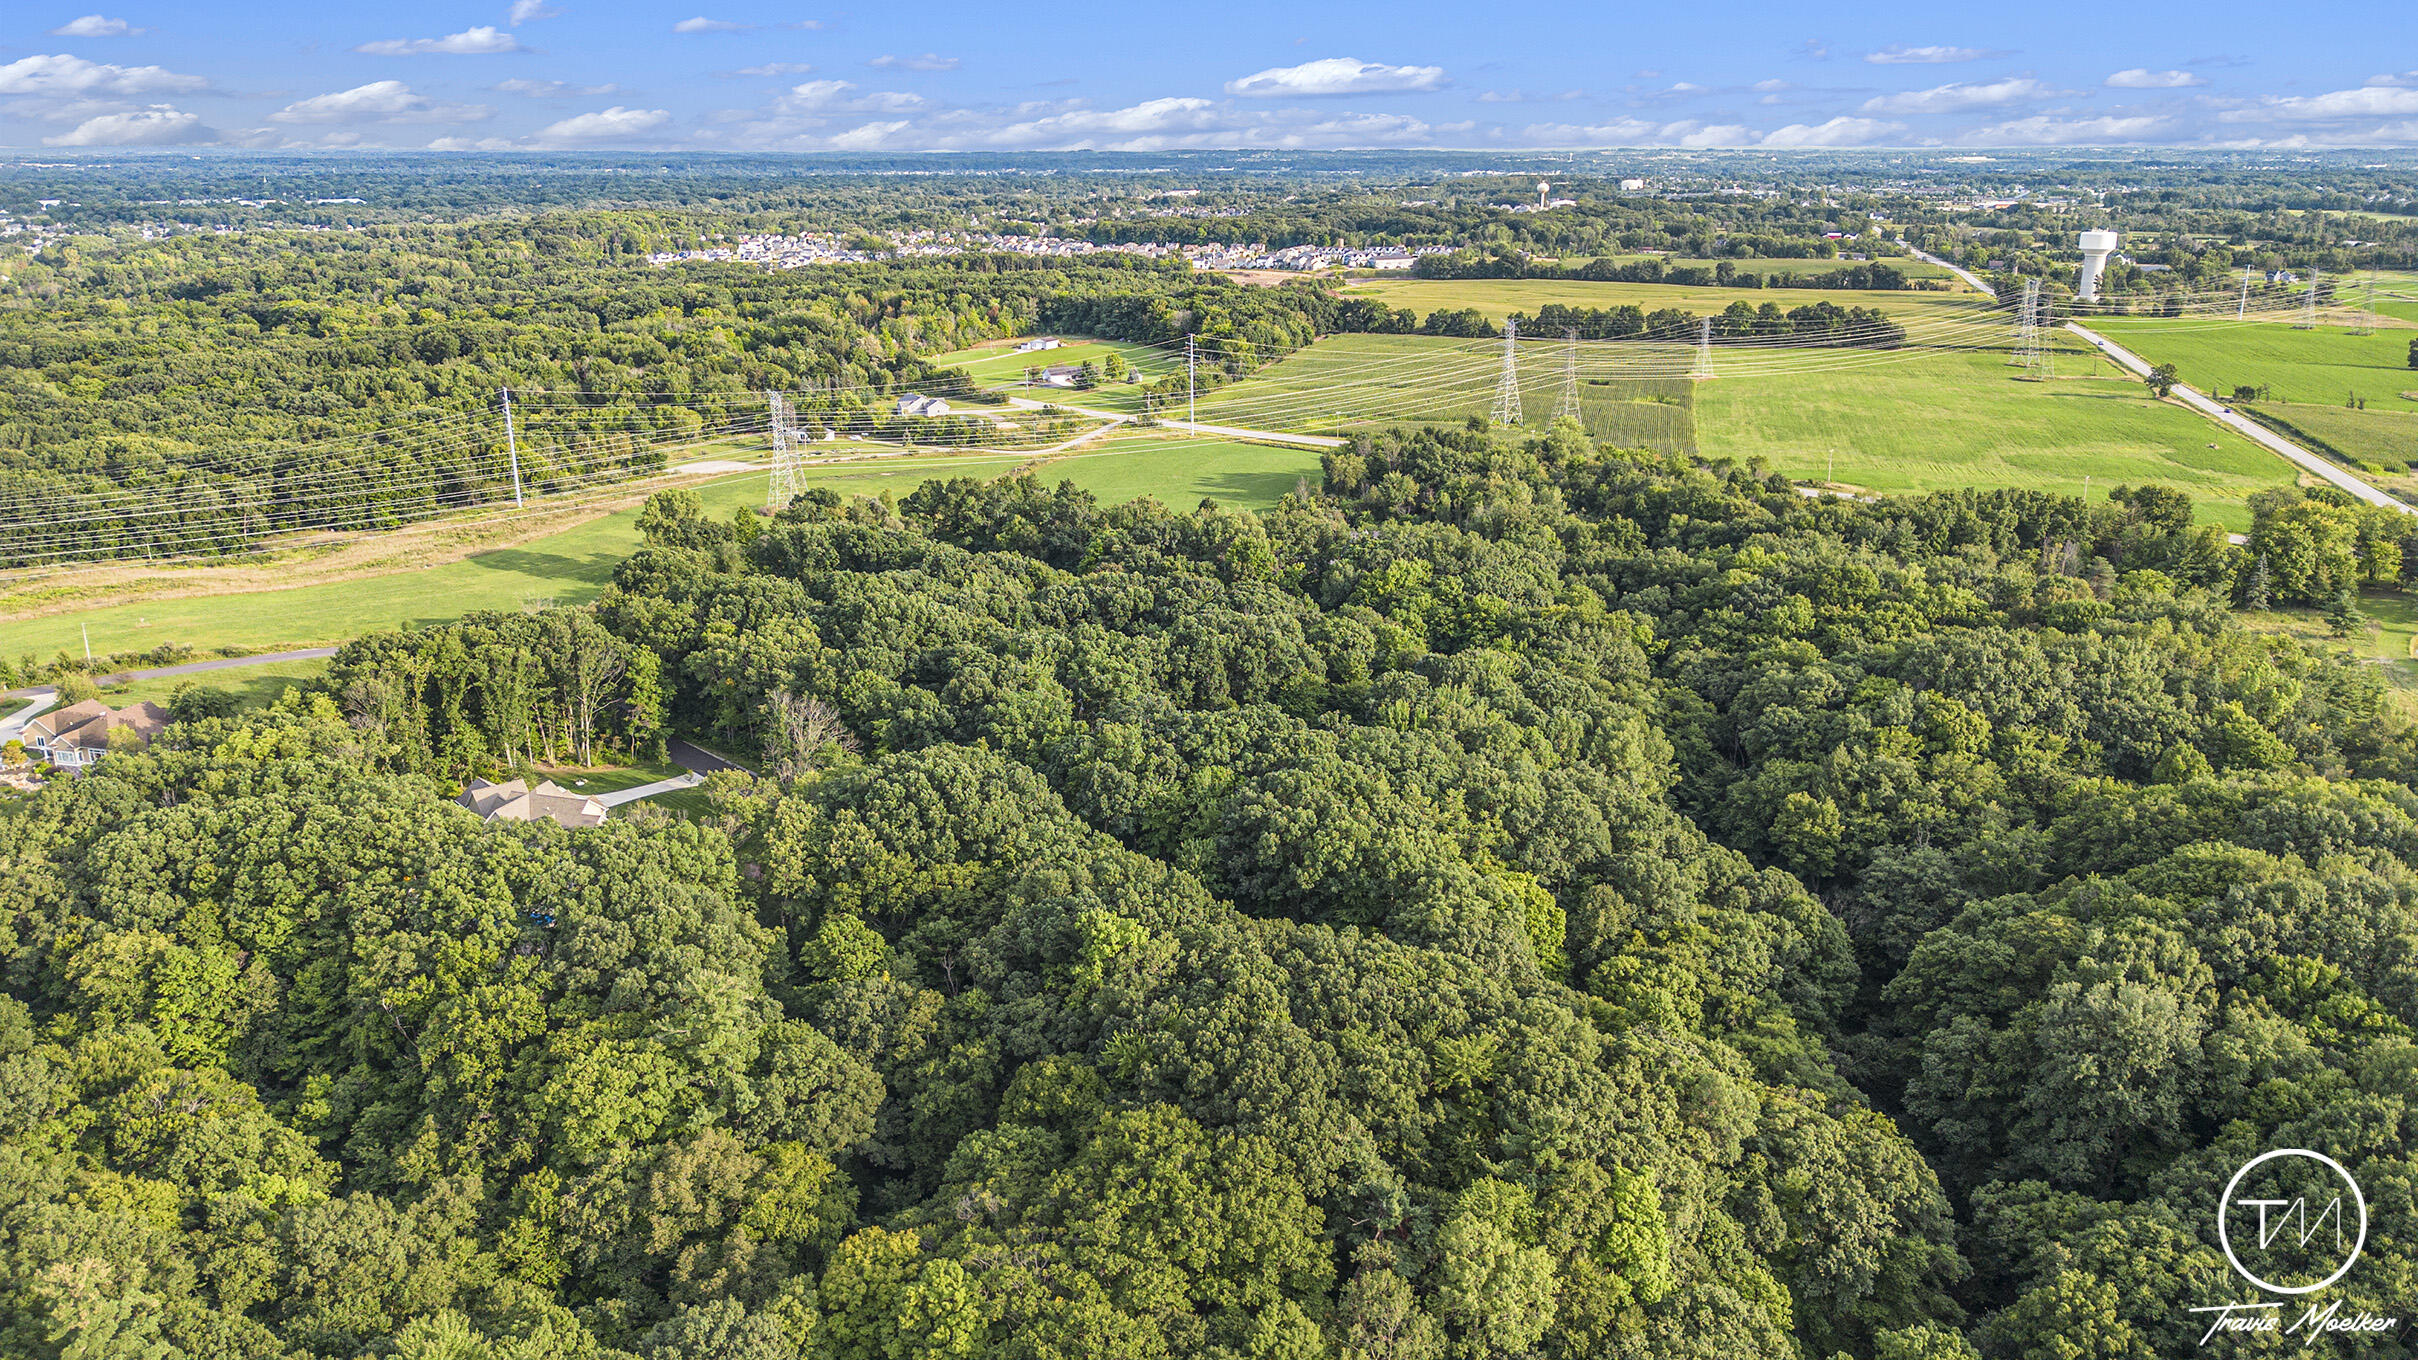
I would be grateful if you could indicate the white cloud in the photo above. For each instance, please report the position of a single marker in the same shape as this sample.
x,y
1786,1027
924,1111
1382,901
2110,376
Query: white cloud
x,y
605,125
95,26
484,40
1837,132
2039,130
380,101
2368,101
1335,76
550,89
776,68
2139,78
1770,86
929,61
65,77
1957,98
805,25
701,24
823,97
1898,54
524,11
158,125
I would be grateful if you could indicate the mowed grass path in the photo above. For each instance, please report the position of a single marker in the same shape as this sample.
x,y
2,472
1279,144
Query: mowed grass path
x,y
1932,421
2322,366
573,566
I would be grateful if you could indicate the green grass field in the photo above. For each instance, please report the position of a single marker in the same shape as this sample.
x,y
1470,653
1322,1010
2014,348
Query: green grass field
x,y
2379,435
1907,265
572,566
2319,366
252,686
1893,421
1932,421
1499,298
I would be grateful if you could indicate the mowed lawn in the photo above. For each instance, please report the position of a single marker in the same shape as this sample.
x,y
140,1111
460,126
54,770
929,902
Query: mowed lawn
x,y
1002,369
2321,366
1499,298
1936,420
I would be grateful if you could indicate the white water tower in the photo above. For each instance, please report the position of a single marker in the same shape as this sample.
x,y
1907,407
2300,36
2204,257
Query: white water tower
x,y
2096,247
1543,187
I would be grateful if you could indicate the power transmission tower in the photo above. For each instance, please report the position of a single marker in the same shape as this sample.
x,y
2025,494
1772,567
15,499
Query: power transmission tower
x,y
788,470
2367,316
2036,364
1704,350
2242,312
1569,403
2023,325
1507,388
512,445
2308,307
1192,404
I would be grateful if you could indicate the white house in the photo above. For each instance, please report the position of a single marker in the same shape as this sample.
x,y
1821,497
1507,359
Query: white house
x,y
1040,342
1631,186
1392,259
917,404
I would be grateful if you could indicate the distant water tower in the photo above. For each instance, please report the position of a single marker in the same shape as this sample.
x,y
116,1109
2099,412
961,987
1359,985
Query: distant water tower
x,y
2096,247
1542,188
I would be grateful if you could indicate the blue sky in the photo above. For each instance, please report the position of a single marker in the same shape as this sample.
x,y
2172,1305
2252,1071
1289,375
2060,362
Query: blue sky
x,y
762,75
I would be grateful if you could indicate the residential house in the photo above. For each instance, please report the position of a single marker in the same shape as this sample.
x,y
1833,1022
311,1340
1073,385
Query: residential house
x,y
917,404
1060,375
1392,259
515,801
79,735
1040,342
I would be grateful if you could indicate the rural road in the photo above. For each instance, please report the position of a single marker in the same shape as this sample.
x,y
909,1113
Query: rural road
x,y
224,663
1958,270
2257,433
695,759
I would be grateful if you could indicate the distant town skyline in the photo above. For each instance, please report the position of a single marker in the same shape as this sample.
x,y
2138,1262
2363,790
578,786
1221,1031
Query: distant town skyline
x,y
747,75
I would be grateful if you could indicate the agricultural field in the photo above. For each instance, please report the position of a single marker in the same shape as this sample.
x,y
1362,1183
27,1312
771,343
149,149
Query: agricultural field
x,y
2320,366
1498,298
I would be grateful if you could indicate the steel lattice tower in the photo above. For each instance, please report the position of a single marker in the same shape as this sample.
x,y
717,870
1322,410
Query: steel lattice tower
x,y
1704,350
1507,388
2035,332
788,474
2023,325
2308,306
1569,404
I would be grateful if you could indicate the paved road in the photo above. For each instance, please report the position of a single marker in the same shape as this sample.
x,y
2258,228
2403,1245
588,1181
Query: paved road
x,y
1958,270
224,663
2260,434
695,759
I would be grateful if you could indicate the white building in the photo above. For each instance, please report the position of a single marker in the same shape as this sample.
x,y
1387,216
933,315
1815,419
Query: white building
x,y
1040,343
917,404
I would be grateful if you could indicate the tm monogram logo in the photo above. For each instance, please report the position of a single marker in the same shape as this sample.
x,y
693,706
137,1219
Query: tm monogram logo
x,y
2280,1217
2286,1211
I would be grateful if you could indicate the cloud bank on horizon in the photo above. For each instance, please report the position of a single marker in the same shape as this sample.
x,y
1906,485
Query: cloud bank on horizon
x,y
929,79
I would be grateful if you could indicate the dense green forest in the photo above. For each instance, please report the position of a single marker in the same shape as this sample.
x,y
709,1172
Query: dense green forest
x,y
1521,899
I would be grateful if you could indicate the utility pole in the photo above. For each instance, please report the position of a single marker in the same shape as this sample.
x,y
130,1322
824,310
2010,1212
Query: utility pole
x,y
1192,401
86,629
512,443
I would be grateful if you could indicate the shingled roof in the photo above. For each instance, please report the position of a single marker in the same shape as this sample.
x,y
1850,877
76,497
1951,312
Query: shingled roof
x,y
515,801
